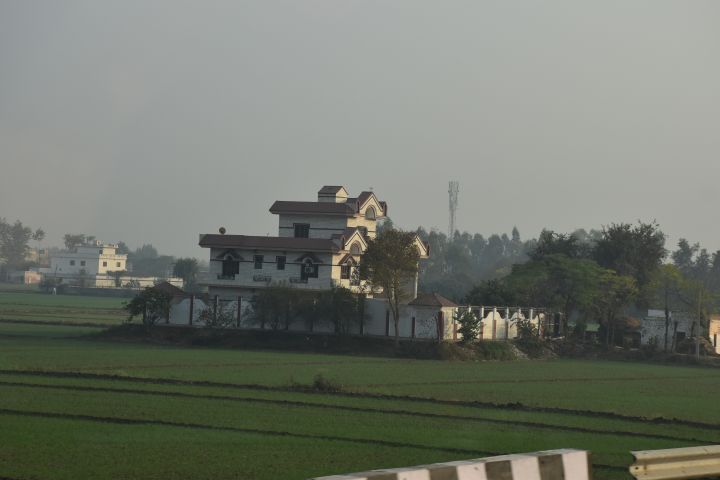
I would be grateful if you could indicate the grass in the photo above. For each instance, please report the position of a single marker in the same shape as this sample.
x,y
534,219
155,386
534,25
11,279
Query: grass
x,y
35,306
72,406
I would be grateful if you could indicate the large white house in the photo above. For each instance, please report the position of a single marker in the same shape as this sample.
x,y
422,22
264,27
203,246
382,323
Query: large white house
x,y
318,246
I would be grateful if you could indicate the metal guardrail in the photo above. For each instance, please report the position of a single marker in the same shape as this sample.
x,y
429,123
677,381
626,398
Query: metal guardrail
x,y
565,464
677,463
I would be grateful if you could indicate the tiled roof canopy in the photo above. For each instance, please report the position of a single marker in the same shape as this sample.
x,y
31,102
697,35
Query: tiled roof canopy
x,y
329,208
170,289
432,300
270,243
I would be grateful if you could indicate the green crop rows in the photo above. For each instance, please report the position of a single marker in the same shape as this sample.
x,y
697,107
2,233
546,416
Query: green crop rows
x,y
75,407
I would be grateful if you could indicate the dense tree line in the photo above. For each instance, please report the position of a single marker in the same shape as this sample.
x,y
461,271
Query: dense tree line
x,y
605,275
456,264
14,245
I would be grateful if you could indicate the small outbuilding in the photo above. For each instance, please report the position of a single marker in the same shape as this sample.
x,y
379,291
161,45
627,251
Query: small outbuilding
x,y
433,316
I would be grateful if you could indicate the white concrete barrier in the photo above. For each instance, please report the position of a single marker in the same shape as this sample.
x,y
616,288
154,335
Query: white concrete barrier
x,y
677,463
565,464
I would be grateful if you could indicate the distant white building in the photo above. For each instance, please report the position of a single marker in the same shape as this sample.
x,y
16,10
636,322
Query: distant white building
x,y
97,264
94,259
682,325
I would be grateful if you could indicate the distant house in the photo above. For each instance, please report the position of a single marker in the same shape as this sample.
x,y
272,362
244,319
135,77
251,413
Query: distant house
x,y
682,325
318,246
93,259
98,265
27,277
714,331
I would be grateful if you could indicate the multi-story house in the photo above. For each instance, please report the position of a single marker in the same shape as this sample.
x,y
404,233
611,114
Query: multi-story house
x,y
318,246
96,258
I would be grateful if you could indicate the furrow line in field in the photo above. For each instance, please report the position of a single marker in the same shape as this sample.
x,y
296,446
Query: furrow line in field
x,y
54,323
382,411
257,431
234,364
370,395
528,380
281,433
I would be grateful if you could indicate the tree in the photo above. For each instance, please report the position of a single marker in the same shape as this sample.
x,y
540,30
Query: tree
x,y
559,282
616,293
220,315
151,303
122,248
683,257
147,251
276,306
385,223
667,285
678,292
146,261
493,292
14,240
339,307
636,251
390,263
552,243
73,240
187,269
469,326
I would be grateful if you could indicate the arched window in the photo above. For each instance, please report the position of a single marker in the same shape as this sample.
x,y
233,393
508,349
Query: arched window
x,y
308,269
370,213
230,267
355,249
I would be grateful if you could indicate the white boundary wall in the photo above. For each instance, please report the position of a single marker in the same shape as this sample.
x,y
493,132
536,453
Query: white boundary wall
x,y
421,322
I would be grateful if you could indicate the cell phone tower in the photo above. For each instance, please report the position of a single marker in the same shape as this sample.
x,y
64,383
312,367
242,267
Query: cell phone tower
x,y
453,190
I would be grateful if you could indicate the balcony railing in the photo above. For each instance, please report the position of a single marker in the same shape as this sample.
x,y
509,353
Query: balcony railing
x,y
262,278
298,280
221,276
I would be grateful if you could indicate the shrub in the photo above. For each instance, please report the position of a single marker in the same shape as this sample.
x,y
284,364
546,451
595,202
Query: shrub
x,y
322,384
319,384
528,341
469,326
222,317
152,304
526,329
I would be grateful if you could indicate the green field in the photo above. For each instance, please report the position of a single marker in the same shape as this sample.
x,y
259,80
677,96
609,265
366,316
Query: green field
x,y
22,304
72,406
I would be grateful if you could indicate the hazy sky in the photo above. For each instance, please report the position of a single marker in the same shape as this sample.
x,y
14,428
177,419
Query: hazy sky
x,y
153,121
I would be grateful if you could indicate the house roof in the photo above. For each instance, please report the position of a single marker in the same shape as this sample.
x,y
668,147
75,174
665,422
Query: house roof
x,y
331,189
348,234
309,255
363,197
432,300
270,243
170,289
330,208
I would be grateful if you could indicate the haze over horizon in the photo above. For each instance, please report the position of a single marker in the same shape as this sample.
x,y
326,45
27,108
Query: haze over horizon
x,y
152,122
